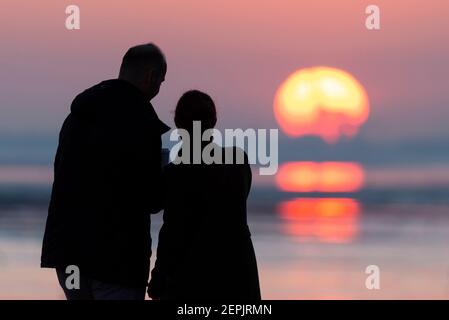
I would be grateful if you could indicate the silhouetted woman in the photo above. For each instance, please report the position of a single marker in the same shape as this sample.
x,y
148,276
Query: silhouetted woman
x,y
205,249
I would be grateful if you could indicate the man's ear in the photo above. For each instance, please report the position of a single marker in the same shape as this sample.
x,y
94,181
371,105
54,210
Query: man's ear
x,y
147,78
153,77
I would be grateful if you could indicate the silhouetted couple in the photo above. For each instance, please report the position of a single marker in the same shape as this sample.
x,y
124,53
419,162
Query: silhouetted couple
x,y
109,178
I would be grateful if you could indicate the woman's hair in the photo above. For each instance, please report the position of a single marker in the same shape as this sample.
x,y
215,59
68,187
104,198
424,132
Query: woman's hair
x,y
195,105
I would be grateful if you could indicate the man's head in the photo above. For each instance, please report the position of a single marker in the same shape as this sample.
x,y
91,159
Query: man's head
x,y
145,67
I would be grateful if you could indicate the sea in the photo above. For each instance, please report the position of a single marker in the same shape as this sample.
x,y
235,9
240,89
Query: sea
x,y
383,233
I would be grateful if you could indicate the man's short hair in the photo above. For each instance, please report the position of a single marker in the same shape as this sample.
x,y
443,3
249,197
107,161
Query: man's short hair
x,y
141,58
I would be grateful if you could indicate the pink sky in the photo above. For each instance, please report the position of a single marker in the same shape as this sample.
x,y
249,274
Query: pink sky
x,y
238,51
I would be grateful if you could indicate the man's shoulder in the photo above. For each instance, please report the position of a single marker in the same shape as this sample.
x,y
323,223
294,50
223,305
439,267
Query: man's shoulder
x,y
109,98
104,89
90,96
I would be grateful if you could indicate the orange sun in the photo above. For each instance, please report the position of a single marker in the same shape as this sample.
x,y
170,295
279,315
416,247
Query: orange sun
x,y
321,101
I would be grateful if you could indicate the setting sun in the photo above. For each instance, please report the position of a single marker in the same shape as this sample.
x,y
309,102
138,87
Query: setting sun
x,y
321,101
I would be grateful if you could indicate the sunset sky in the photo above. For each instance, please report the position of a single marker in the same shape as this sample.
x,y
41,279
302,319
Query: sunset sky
x,y
238,51
371,188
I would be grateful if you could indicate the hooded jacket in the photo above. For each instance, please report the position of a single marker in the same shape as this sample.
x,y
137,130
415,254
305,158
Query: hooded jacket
x,y
107,181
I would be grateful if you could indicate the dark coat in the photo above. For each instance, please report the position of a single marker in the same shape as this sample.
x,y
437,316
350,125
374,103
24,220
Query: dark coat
x,y
107,181
205,249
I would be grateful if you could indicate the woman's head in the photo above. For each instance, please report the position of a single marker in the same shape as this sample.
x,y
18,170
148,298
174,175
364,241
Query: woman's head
x,y
195,105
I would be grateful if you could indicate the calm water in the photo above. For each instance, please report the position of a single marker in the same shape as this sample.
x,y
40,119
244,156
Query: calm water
x,y
307,247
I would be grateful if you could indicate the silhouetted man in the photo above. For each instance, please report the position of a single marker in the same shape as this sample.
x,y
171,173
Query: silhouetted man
x,y
107,177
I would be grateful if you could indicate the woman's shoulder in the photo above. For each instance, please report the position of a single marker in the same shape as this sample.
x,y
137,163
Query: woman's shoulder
x,y
237,154
218,155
